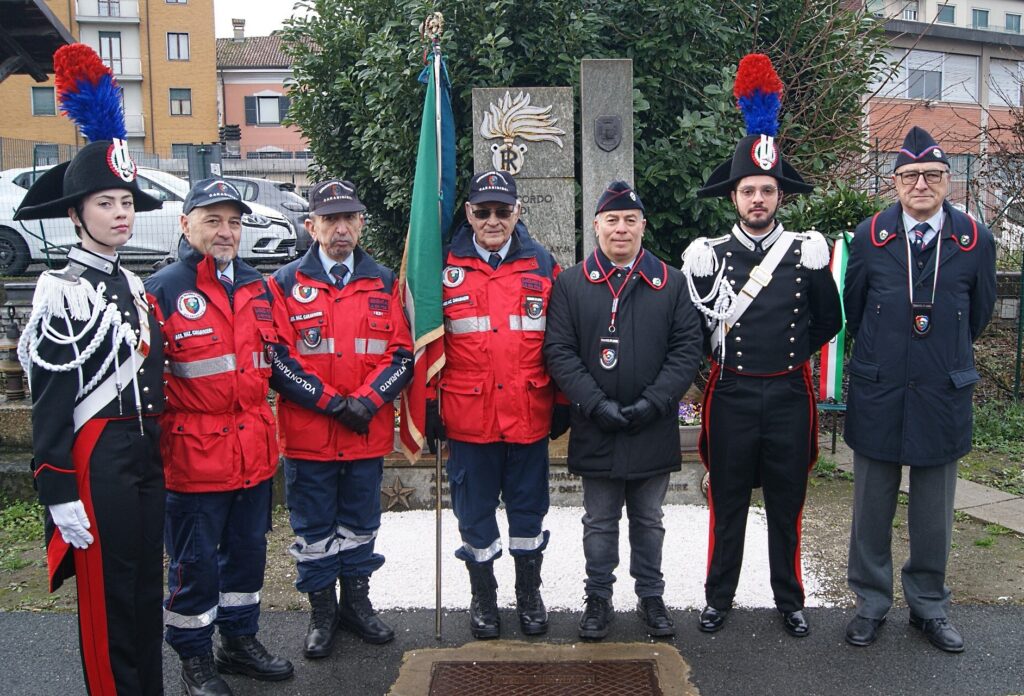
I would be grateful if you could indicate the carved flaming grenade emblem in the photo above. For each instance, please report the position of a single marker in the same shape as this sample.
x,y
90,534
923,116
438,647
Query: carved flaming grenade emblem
x,y
512,118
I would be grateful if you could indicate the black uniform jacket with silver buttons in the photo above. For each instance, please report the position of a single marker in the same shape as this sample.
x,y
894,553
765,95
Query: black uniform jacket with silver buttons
x,y
790,319
54,394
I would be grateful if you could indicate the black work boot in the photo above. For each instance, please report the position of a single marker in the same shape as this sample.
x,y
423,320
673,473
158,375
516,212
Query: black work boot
x,y
323,623
200,677
356,614
246,655
533,615
484,621
597,614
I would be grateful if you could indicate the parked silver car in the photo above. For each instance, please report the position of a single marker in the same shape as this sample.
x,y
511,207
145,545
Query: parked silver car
x,y
281,196
266,234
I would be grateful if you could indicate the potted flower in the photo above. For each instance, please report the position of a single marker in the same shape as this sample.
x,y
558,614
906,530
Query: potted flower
x,y
689,425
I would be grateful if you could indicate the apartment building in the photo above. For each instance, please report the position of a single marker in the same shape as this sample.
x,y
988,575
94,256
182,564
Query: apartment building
x,y
163,55
958,71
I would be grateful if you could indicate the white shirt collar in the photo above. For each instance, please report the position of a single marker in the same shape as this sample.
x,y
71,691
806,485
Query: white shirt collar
x,y
329,263
486,255
935,222
228,273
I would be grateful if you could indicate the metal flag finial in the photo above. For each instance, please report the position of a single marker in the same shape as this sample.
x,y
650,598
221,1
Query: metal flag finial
x,y
432,27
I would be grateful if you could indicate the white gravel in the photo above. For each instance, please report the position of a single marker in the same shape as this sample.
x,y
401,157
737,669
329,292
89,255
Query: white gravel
x,y
407,578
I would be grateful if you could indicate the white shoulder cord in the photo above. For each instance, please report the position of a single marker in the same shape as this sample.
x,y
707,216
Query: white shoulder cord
x,y
724,299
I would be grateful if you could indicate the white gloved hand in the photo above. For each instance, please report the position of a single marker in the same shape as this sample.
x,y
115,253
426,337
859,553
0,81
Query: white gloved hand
x,y
72,522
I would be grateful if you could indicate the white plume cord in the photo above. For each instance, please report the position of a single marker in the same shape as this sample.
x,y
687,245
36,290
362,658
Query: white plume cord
x,y
724,299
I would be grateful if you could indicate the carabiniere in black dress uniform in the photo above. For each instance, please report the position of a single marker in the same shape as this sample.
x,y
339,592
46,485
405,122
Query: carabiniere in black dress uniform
x,y
94,355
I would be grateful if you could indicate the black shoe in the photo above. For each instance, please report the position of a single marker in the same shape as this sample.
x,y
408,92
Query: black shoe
x,y
862,631
656,618
533,615
200,677
246,655
484,620
795,623
356,614
597,615
940,633
712,619
323,623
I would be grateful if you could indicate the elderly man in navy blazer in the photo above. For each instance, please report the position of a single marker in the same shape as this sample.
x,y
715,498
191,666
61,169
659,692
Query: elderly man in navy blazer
x,y
920,288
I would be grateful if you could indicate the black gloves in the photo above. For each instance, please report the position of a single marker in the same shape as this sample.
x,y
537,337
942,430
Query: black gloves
x,y
640,413
608,416
354,415
559,420
435,427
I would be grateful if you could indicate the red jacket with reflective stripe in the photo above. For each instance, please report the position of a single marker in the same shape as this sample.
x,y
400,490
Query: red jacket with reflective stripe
x,y
355,339
494,386
217,428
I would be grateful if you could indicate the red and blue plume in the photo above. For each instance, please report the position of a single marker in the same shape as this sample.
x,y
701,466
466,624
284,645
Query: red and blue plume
x,y
758,92
88,93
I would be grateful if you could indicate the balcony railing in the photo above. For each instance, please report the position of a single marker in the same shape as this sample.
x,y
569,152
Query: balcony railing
x,y
125,68
107,10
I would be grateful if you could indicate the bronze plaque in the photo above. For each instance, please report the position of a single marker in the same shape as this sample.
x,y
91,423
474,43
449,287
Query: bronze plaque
x,y
608,132
597,678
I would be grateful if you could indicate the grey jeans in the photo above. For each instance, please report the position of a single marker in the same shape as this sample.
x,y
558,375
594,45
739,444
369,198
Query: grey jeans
x,y
603,500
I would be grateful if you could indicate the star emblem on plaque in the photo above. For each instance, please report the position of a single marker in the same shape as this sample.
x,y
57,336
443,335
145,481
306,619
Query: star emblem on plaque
x,y
397,495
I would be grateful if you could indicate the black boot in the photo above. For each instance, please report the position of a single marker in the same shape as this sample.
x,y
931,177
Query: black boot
x,y
484,621
200,677
356,614
246,655
533,615
323,623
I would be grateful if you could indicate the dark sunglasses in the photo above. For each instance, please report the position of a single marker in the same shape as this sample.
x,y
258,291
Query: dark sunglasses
x,y
485,213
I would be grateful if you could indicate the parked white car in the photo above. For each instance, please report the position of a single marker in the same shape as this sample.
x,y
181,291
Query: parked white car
x,y
266,234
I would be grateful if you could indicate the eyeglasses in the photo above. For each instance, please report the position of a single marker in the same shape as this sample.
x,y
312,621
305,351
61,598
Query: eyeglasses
x,y
485,213
931,176
749,191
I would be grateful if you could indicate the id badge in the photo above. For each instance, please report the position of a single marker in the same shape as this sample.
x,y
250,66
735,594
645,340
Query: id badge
x,y
609,357
922,313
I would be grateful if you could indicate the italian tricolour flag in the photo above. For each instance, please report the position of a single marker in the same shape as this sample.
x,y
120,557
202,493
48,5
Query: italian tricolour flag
x,y
831,379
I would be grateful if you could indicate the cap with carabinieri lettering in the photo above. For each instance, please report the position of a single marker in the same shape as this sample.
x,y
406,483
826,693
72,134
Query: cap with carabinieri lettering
x,y
334,196
211,191
493,187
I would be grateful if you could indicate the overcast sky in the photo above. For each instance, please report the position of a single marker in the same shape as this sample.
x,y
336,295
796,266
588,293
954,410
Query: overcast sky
x,y
261,16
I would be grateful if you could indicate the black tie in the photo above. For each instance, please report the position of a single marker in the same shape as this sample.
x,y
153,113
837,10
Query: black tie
x,y
339,272
229,288
494,260
920,229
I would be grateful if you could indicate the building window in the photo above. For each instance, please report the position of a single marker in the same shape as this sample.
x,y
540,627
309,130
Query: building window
x,y
925,84
109,8
875,7
946,14
181,102
979,19
910,12
175,2
1013,23
177,46
110,51
179,150
42,102
265,110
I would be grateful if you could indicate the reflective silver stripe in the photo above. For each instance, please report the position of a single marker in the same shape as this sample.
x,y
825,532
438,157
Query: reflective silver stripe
x,y
518,322
325,347
183,621
238,599
484,555
259,359
467,325
371,346
324,548
525,543
203,368
350,540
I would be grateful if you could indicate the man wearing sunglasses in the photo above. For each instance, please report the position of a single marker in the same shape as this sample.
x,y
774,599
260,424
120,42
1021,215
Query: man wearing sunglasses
x,y
495,398
920,288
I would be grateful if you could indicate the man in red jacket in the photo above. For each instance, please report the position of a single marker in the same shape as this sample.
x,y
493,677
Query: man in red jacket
x,y
217,440
340,312
497,398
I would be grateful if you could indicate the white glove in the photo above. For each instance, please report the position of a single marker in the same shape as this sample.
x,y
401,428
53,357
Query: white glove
x,y
72,522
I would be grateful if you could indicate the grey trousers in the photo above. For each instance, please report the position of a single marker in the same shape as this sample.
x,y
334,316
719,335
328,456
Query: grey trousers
x,y
930,517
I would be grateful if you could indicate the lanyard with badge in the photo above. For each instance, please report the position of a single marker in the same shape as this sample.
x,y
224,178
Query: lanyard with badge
x,y
609,350
922,311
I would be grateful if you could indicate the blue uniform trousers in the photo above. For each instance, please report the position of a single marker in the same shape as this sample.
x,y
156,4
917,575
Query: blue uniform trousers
x,y
335,513
217,543
477,475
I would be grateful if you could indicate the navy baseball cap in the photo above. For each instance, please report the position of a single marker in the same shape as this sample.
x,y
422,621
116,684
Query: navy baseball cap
x,y
334,196
493,187
212,191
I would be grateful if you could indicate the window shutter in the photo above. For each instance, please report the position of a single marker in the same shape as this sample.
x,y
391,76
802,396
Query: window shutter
x,y
250,110
1003,83
960,79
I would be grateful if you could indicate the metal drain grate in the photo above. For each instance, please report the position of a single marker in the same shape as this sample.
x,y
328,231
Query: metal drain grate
x,y
597,678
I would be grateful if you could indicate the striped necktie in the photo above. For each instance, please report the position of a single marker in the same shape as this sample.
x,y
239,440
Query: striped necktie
x,y
229,288
920,229
338,272
494,260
